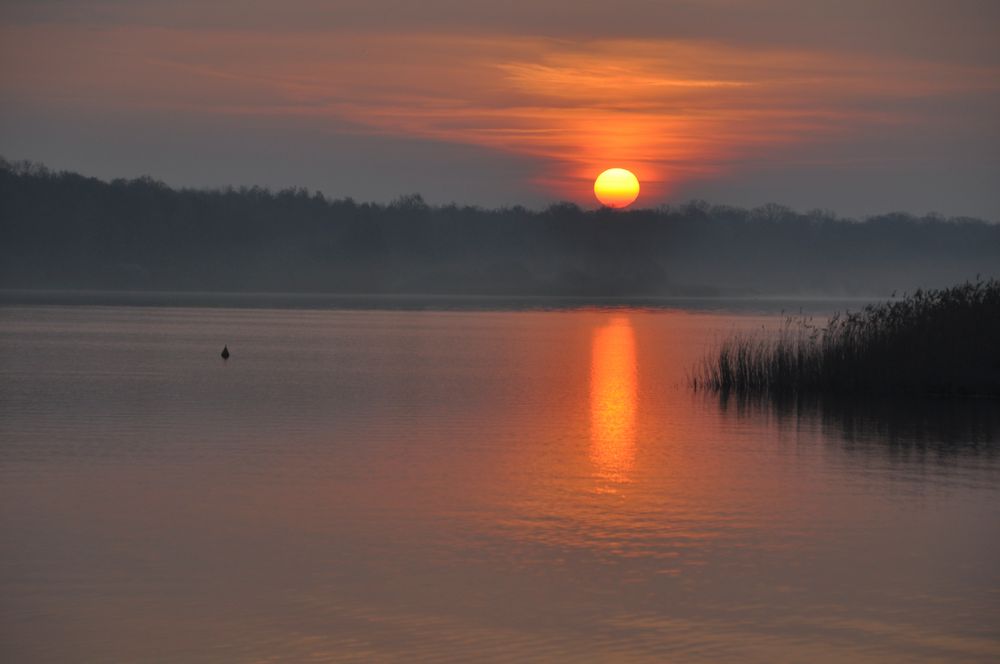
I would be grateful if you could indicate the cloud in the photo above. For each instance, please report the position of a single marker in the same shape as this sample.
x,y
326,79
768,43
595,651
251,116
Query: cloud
x,y
671,110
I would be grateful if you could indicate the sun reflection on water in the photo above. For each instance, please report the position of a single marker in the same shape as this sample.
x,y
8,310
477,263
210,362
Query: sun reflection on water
x,y
613,399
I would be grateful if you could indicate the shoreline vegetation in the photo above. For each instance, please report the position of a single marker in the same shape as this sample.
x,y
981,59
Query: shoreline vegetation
x,y
930,343
65,231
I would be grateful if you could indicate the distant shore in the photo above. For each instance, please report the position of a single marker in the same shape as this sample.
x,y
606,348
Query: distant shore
x,y
63,230
773,304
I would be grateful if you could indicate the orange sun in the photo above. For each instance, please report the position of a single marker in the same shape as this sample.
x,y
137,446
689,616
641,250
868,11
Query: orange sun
x,y
616,187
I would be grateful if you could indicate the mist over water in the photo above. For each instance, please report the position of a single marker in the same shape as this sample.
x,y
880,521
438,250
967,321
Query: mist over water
x,y
488,485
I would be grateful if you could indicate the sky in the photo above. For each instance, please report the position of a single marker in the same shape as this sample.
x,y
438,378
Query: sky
x,y
857,107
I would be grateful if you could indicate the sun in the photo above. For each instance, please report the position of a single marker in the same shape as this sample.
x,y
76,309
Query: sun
x,y
616,187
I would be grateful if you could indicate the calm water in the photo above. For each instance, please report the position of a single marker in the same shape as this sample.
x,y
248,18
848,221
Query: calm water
x,y
371,485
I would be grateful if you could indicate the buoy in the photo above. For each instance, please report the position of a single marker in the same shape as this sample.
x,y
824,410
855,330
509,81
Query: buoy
x,y
225,352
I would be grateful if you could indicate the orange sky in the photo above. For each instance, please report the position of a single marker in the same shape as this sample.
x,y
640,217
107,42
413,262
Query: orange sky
x,y
678,111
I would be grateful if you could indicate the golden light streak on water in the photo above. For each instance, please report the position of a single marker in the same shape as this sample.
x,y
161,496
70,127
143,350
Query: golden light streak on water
x,y
613,399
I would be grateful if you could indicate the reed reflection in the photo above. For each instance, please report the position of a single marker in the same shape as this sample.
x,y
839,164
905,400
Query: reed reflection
x,y
613,399
909,428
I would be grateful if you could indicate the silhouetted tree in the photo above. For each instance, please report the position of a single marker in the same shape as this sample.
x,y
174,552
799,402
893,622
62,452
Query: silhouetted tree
x,y
64,230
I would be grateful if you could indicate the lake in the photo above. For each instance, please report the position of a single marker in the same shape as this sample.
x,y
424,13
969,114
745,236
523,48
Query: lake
x,y
454,483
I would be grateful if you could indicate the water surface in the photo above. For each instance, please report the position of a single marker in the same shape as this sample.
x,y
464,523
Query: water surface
x,y
457,485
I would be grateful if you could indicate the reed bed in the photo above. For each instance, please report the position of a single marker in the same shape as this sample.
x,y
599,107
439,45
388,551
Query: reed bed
x,y
930,342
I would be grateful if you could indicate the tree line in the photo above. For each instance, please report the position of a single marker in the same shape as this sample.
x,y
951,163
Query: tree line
x,y
62,230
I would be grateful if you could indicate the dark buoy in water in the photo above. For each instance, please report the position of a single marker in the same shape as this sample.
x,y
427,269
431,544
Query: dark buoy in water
x,y
225,352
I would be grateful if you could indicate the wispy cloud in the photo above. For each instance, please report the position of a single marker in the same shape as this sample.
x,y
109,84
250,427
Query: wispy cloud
x,y
671,110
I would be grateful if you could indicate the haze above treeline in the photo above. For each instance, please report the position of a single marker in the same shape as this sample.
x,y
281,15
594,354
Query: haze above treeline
x,y
61,230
